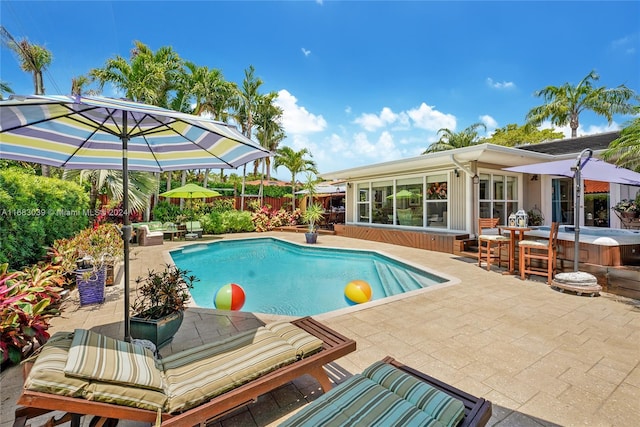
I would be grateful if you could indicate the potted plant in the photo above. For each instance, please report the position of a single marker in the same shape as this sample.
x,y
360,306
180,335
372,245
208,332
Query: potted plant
x,y
627,208
161,297
311,216
535,217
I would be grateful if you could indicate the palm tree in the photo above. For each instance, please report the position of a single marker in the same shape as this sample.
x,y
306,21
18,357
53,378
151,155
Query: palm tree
x,y
270,131
79,83
625,151
148,76
4,88
296,162
33,58
141,185
563,104
246,103
450,139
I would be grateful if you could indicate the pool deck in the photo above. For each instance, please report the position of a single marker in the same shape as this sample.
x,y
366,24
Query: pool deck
x,y
543,358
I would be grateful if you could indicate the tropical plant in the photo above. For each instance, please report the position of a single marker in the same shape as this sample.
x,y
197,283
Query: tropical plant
x,y
27,301
4,88
246,101
564,104
450,139
312,215
150,77
162,293
512,135
102,181
33,58
266,219
270,131
625,150
295,162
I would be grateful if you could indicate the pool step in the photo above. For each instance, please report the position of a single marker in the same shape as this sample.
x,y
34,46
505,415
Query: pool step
x,y
396,280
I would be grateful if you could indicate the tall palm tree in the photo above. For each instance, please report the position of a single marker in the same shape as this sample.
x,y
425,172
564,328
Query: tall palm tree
x,y
79,84
625,151
33,58
450,139
295,162
563,104
150,77
248,96
270,131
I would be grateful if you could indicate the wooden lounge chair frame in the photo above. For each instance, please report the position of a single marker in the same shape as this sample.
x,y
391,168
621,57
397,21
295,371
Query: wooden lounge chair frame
x,y
34,404
477,410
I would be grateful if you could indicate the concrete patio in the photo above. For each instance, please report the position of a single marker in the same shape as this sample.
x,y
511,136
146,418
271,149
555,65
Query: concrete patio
x,y
542,357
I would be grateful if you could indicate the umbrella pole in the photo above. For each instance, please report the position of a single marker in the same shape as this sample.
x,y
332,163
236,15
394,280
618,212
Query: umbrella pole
x,y
576,208
126,227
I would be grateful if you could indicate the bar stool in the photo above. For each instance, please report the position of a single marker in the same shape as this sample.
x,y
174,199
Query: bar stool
x,y
543,252
493,243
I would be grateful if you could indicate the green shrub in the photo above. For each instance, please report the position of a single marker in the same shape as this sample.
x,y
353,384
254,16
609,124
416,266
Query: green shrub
x,y
237,222
165,212
34,212
212,223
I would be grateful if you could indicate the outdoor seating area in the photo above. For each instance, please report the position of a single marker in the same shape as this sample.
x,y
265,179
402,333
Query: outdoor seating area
x,y
88,374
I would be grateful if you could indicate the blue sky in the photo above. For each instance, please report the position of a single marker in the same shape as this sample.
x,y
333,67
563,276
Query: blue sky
x,y
360,82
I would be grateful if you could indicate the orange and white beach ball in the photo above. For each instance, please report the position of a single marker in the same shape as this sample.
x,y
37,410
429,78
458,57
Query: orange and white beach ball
x,y
229,297
358,291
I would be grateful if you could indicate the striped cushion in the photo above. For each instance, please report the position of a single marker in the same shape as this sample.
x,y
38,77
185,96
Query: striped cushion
x,y
128,396
439,405
208,372
94,356
360,401
47,374
304,343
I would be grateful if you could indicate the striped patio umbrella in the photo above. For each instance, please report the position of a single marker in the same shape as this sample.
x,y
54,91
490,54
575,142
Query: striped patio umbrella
x,y
103,133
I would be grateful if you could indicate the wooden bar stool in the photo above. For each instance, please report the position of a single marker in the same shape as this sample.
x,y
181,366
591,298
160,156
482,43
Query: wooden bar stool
x,y
542,252
490,244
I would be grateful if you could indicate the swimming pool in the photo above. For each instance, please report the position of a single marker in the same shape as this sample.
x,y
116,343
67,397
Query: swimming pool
x,y
285,278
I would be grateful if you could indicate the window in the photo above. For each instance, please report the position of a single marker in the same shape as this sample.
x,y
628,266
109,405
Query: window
x,y
382,206
562,200
409,201
363,203
437,201
498,196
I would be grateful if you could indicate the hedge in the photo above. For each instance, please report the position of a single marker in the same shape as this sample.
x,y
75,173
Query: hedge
x,y
34,212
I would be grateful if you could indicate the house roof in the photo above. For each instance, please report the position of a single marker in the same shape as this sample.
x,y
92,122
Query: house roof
x,y
595,142
498,155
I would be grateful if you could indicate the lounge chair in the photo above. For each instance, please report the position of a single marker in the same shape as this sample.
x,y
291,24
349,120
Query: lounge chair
x,y
389,393
187,388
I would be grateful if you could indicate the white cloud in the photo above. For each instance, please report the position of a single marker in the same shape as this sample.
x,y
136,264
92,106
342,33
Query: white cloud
x,y
425,117
347,109
489,122
500,85
371,122
306,52
626,44
295,118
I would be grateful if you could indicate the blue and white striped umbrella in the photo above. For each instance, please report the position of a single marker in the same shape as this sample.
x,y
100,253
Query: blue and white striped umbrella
x,y
88,133
102,133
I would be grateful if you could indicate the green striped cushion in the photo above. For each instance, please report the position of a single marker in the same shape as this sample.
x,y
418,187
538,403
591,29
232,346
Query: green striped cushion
x,y
208,372
94,356
360,401
304,343
128,396
436,403
47,373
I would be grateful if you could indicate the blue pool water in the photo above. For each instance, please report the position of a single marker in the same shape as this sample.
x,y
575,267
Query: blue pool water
x,y
279,277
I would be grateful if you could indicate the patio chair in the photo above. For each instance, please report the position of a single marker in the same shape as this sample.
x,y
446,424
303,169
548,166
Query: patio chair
x,y
490,244
539,256
117,380
146,237
389,393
